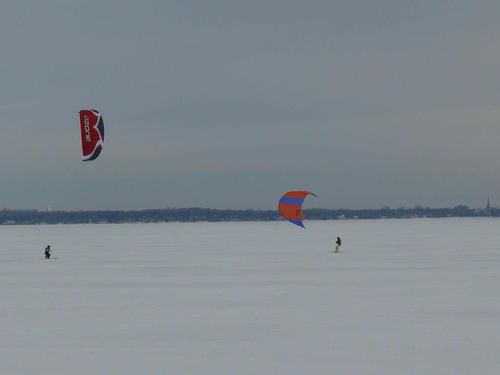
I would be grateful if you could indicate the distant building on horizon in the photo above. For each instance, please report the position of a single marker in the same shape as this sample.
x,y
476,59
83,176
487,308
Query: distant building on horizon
x,y
488,210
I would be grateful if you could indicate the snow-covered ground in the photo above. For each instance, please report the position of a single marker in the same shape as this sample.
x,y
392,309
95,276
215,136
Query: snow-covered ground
x,y
404,297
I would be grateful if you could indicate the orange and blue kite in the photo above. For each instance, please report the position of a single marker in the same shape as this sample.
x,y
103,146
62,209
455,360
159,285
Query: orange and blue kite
x,y
290,206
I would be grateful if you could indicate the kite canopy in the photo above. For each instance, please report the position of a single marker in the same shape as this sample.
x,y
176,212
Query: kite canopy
x,y
290,206
92,130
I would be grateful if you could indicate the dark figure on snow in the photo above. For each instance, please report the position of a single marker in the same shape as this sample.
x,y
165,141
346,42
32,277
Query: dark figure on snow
x,y
338,242
47,252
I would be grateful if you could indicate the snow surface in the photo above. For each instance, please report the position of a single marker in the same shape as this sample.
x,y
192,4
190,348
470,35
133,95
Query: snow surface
x,y
417,296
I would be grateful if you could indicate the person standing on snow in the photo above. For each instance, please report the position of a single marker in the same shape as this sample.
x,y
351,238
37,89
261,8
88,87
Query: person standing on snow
x,y
47,252
338,242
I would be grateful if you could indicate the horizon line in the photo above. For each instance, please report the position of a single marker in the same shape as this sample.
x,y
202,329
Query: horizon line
x,y
416,207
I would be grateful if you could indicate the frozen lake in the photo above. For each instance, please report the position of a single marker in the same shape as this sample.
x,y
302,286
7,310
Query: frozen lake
x,y
404,297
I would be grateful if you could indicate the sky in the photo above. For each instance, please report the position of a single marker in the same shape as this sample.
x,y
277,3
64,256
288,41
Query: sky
x,y
229,104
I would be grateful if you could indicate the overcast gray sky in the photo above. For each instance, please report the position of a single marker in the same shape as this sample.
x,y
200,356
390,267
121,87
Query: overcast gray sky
x,y
228,104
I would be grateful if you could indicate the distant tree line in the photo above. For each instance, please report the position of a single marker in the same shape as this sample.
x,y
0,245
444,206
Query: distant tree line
x,y
11,217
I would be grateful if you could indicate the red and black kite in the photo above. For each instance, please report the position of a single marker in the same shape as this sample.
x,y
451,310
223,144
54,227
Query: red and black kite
x,y
92,130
